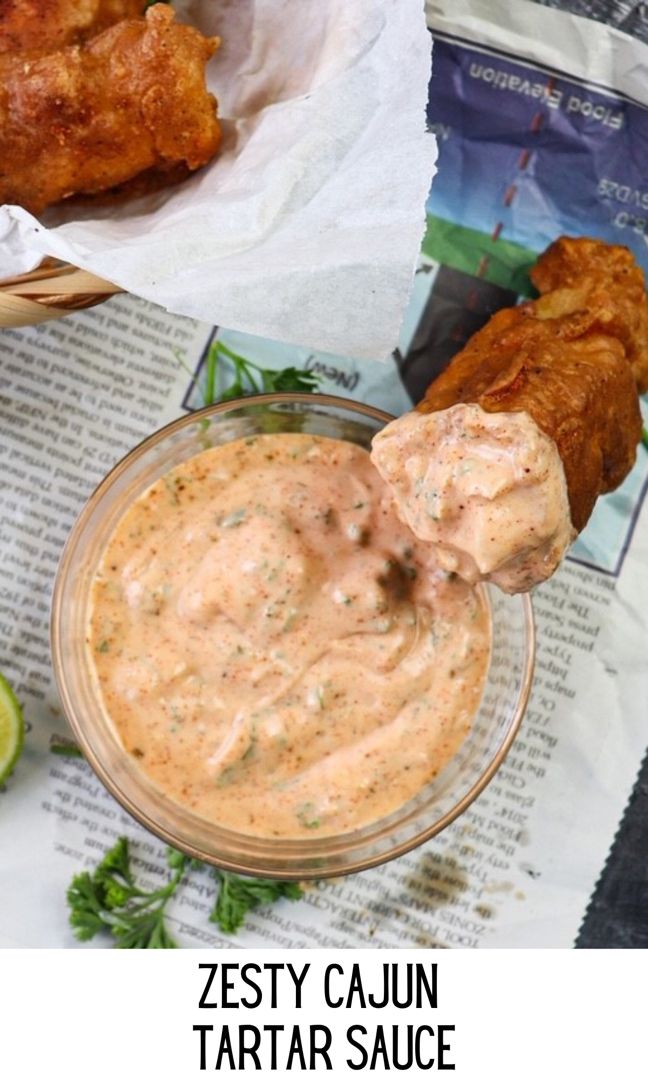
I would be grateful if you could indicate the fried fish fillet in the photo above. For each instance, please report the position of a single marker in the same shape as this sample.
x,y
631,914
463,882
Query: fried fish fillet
x,y
500,465
572,359
89,117
605,285
40,26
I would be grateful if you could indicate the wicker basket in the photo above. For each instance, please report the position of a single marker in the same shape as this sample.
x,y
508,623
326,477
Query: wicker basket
x,y
51,290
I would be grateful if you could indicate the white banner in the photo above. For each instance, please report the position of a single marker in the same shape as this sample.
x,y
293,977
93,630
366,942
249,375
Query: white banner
x,y
300,1013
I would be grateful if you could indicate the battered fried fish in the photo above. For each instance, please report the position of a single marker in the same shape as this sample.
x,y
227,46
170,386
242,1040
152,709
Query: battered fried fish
x,y
602,282
87,118
502,462
571,359
40,26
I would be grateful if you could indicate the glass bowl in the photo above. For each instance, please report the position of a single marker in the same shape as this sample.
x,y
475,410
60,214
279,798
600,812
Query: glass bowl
x,y
439,803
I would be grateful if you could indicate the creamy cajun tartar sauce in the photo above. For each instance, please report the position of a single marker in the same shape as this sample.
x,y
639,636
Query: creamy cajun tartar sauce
x,y
486,490
273,645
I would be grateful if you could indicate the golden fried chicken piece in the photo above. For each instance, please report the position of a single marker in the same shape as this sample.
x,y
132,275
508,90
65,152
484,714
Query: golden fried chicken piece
x,y
90,117
40,26
571,359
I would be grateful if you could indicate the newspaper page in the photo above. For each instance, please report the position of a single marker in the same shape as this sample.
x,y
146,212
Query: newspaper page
x,y
517,868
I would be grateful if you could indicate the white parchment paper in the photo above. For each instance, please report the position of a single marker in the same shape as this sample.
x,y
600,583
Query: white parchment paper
x,y
305,228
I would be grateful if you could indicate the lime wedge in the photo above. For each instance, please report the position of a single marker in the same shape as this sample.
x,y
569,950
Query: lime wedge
x,y
12,729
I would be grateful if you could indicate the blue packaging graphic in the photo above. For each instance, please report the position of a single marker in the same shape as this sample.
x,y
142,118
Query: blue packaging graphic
x,y
531,154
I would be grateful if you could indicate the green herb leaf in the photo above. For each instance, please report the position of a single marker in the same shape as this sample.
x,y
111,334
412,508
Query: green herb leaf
x,y
238,895
86,907
115,865
306,814
248,377
147,931
290,379
644,437
110,899
60,744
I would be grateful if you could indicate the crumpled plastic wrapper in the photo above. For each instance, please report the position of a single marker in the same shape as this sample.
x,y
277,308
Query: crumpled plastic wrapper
x,y
307,226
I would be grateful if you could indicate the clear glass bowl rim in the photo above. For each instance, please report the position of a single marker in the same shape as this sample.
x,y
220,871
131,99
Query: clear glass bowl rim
x,y
66,567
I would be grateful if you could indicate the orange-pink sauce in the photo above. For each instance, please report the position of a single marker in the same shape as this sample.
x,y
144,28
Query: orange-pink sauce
x,y
274,646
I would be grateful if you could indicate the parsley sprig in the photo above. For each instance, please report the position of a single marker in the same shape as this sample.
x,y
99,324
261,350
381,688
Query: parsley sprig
x,y
238,895
644,437
250,378
110,899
